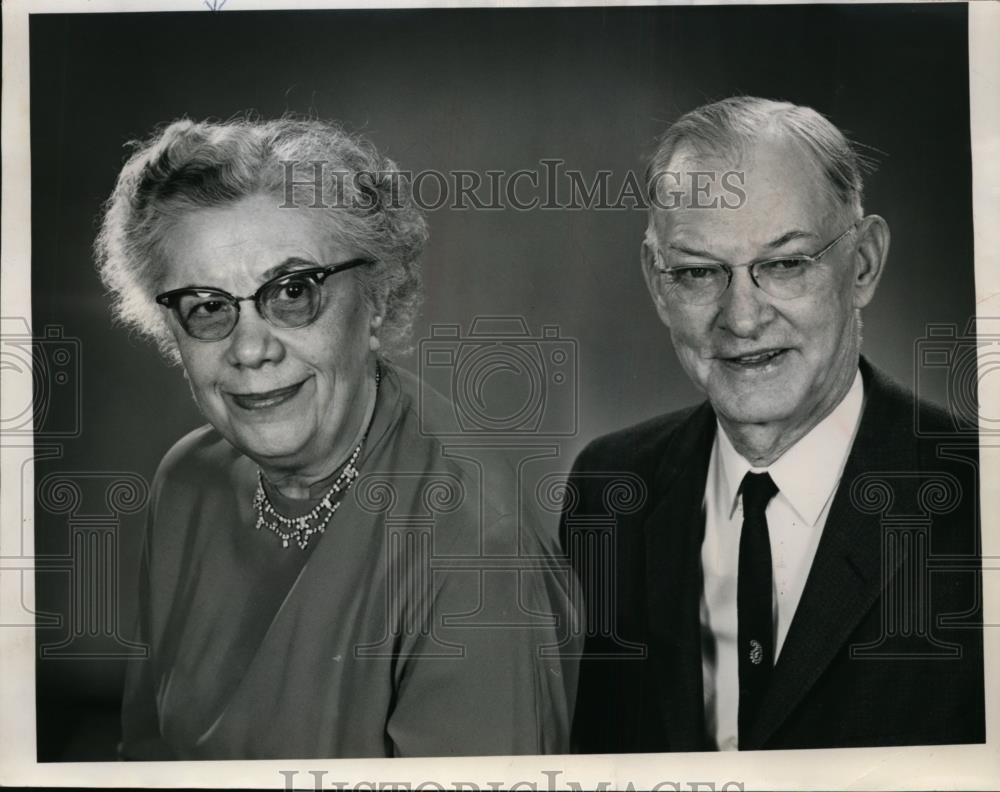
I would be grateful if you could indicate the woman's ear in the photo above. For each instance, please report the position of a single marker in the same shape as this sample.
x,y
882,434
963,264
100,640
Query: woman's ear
x,y
870,254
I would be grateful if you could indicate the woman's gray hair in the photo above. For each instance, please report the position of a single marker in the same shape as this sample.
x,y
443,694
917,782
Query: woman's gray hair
x,y
728,128
302,163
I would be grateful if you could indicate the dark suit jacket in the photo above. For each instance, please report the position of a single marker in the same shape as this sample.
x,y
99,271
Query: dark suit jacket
x,y
885,647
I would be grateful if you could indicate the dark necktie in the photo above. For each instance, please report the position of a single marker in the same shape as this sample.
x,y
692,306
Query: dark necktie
x,y
753,600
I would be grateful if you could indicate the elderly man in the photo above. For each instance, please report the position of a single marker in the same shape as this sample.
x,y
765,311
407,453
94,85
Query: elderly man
x,y
769,585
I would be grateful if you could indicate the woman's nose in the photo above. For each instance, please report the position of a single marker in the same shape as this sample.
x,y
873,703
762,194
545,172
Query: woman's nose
x,y
253,341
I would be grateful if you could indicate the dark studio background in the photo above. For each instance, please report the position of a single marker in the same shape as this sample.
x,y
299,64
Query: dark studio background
x,y
459,89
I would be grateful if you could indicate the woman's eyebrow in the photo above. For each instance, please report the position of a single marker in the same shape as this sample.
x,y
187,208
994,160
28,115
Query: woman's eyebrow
x,y
288,265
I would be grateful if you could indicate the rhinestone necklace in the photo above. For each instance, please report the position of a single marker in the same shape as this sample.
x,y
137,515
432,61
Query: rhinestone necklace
x,y
301,529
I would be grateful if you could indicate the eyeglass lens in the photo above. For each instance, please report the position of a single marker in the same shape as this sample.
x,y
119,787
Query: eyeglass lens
x,y
293,301
786,279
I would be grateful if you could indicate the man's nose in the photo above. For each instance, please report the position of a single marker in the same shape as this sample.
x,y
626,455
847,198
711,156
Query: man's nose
x,y
745,308
253,341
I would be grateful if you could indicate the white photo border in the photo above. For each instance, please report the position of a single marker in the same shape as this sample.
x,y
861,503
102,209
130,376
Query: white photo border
x,y
934,767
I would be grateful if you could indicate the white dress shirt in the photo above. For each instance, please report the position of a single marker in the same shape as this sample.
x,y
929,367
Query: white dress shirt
x,y
806,475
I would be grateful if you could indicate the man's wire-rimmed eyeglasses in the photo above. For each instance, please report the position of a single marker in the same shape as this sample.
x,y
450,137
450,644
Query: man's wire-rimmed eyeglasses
x,y
782,277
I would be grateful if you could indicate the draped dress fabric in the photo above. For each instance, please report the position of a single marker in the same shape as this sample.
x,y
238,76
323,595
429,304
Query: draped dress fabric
x,y
387,636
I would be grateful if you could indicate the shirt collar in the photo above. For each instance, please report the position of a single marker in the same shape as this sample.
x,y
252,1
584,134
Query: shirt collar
x,y
807,473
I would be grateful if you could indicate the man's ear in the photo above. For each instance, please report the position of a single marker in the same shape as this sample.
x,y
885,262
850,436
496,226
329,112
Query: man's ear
x,y
870,254
653,278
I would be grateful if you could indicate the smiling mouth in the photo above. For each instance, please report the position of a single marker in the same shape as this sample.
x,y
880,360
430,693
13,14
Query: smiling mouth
x,y
755,359
265,399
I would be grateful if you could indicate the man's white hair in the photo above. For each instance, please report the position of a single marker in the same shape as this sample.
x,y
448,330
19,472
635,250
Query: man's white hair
x,y
730,127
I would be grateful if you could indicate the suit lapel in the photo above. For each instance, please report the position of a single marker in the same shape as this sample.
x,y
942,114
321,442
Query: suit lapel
x,y
673,535
846,577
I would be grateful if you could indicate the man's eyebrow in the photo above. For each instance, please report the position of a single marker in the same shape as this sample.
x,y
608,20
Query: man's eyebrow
x,y
693,251
774,244
789,236
288,265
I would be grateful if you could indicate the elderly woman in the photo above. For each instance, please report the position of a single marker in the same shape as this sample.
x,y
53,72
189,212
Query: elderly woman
x,y
309,583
